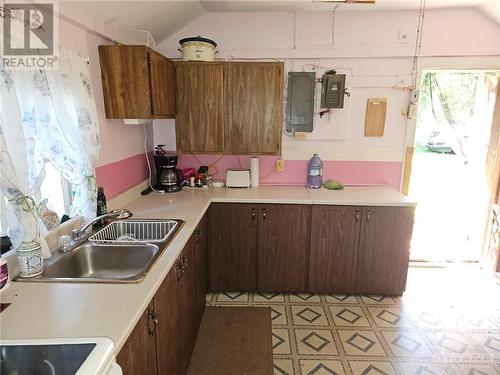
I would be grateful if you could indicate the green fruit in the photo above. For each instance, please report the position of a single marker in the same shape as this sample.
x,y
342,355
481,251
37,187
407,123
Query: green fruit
x,y
333,185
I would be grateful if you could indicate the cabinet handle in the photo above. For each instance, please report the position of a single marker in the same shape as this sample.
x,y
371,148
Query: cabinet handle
x,y
152,321
356,213
368,213
253,214
264,215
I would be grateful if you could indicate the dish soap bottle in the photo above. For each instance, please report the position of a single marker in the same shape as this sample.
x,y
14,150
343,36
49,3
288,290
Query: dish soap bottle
x,y
315,172
101,205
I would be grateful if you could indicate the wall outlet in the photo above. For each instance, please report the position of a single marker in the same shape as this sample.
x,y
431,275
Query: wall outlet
x,y
280,165
301,136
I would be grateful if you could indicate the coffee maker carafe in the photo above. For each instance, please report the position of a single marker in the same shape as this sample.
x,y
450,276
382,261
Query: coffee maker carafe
x,y
168,178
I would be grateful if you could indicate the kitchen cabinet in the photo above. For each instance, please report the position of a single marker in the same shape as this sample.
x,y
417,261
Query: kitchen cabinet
x,y
283,247
334,249
233,247
163,339
360,250
176,309
384,250
200,107
137,82
138,354
254,111
229,108
201,259
260,247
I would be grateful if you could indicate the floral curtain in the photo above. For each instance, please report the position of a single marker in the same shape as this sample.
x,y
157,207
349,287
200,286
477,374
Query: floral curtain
x,y
47,116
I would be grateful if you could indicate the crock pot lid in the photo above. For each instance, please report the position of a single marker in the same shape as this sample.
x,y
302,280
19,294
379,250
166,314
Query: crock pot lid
x,y
197,39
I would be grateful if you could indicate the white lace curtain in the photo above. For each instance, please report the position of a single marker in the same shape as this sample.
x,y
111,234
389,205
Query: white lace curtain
x,y
47,116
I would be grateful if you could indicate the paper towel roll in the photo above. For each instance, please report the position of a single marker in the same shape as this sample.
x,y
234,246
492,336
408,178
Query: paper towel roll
x,y
254,172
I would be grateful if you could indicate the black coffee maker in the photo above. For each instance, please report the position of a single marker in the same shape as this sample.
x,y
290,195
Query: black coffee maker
x,y
168,177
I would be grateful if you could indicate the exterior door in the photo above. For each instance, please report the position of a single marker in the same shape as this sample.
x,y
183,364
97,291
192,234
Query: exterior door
x,y
491,252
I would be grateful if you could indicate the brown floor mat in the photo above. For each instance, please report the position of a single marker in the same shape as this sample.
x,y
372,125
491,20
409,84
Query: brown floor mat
x,y
233,340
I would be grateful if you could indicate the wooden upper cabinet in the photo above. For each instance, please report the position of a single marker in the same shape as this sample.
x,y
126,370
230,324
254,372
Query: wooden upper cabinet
x,y
230,108
384,250
137,82
200,107
254,111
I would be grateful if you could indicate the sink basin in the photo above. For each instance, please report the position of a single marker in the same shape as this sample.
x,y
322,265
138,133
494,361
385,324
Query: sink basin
x,y
118,262
103,262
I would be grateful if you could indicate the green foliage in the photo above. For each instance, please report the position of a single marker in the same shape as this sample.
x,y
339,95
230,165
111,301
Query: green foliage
x,y
458,94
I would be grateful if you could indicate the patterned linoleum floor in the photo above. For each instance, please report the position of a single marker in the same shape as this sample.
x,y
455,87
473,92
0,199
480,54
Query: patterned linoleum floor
x,y
427,331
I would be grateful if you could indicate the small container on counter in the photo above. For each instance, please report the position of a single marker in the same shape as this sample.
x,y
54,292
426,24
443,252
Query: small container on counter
x,y
29,257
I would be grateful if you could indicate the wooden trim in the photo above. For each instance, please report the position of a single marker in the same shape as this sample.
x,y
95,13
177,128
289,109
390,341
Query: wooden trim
x,y
407,170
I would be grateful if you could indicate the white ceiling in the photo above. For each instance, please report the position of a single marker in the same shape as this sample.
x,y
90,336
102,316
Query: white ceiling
x,y
163,17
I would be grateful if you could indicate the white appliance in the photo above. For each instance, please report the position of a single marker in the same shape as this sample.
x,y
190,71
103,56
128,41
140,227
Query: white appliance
x,y
92,356
237,178
197,48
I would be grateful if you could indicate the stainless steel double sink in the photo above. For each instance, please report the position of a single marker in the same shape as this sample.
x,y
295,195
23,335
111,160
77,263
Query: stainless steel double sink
x,y
110,261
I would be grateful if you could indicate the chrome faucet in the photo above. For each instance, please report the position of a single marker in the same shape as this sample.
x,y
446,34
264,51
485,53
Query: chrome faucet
x,y
122,213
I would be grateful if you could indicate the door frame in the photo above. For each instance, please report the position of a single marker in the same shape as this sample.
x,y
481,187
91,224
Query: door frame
x,y
467,63
483,64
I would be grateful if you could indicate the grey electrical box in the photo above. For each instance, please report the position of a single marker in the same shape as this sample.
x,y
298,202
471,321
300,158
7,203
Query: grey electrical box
x,y
300,103
332,90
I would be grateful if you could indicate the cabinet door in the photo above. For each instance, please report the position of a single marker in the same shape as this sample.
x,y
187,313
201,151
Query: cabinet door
x,y
174,304
125,81
200,107
233,247
162,83
254,107
138,354
384,250
201,258
334,249
283,247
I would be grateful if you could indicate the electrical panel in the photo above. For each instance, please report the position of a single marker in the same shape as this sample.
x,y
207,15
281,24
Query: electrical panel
x,y
300,103
332,90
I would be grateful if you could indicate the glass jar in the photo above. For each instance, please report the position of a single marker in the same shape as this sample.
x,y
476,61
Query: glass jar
x,y
29,256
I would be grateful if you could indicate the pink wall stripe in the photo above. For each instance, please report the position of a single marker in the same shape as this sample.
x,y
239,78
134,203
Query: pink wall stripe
x,y
348,172
119,176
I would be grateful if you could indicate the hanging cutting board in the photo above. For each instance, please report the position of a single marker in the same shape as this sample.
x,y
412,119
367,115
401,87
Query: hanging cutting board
x,y
375,117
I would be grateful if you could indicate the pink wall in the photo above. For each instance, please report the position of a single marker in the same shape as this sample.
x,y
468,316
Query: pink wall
x,y
121,160
348,172
121,175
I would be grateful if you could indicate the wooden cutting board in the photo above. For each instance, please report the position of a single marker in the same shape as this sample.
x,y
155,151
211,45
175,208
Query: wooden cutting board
x,y
376,109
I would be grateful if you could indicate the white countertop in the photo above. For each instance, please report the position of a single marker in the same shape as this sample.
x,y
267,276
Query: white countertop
x,y
57,310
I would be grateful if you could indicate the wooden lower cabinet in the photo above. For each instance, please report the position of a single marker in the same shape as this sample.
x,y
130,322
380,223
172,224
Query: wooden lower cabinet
x,y
201,267
176,309
138,354
384,250
163,339
283,247
334,249
233,247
